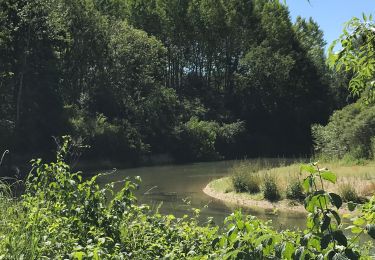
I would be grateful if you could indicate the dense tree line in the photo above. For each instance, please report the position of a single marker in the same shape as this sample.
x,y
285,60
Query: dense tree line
x,y
198,79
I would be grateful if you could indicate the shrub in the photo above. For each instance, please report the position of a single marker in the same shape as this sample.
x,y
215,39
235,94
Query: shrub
x,y
271,190
118,139
294,190
246,183
245,178
198,139
349,133
348,193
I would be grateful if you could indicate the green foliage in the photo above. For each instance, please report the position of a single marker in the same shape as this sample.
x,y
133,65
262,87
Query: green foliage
x,y
357,55
294,190
244,182
271,190
148,66
348,133
324,222
61,215
293,70
198,139
117,139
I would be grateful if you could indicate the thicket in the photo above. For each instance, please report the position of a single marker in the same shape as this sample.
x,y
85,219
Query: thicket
x,y
136,77
350,131
61,215
349,134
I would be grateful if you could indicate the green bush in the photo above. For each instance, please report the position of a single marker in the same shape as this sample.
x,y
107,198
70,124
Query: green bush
x,y
271,190
198,139
348,193
246,183
348,133
63,216
294,190
245,177
117,139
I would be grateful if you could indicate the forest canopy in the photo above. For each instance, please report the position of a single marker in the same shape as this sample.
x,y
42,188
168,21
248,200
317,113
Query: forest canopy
x,y
135,77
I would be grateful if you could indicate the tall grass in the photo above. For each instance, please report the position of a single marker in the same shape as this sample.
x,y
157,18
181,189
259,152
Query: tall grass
x,y
245,177
271,190
245,180
294,190
247,174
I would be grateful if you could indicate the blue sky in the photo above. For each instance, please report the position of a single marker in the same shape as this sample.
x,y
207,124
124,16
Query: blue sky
x,y
330,14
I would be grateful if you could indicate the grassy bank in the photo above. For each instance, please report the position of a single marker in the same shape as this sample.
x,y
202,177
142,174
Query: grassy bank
x,y
250,183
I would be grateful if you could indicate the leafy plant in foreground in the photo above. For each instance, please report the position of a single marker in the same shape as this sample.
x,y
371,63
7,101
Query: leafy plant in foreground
x,y
62,216
324,237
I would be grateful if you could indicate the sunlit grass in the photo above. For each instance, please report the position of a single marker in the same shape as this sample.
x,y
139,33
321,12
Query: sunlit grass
x,y
224,185
361,178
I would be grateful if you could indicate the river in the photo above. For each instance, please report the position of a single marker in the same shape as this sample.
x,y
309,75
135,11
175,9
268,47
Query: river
x,y
176,189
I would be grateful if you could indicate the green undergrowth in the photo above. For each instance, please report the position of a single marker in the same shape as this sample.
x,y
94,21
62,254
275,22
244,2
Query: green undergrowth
x,y
62,216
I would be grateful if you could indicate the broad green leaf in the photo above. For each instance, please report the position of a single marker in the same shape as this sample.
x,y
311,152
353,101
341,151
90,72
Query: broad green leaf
x,y
288,250
340,238
324,242
240,224
308,168
306,184
359,222
351,254
329,176
222,242
335,200
356,230
78,255
336,216
325,223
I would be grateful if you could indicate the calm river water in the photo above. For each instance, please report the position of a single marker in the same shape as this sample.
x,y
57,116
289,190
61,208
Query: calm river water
x,y
176,189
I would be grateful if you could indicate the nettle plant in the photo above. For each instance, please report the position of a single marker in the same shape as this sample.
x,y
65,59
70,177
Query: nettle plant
x,y
324,236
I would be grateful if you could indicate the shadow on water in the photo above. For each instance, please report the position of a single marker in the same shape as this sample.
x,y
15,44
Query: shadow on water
x,y
176,189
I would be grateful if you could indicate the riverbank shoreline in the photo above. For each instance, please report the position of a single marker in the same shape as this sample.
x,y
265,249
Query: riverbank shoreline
x,y
242,200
